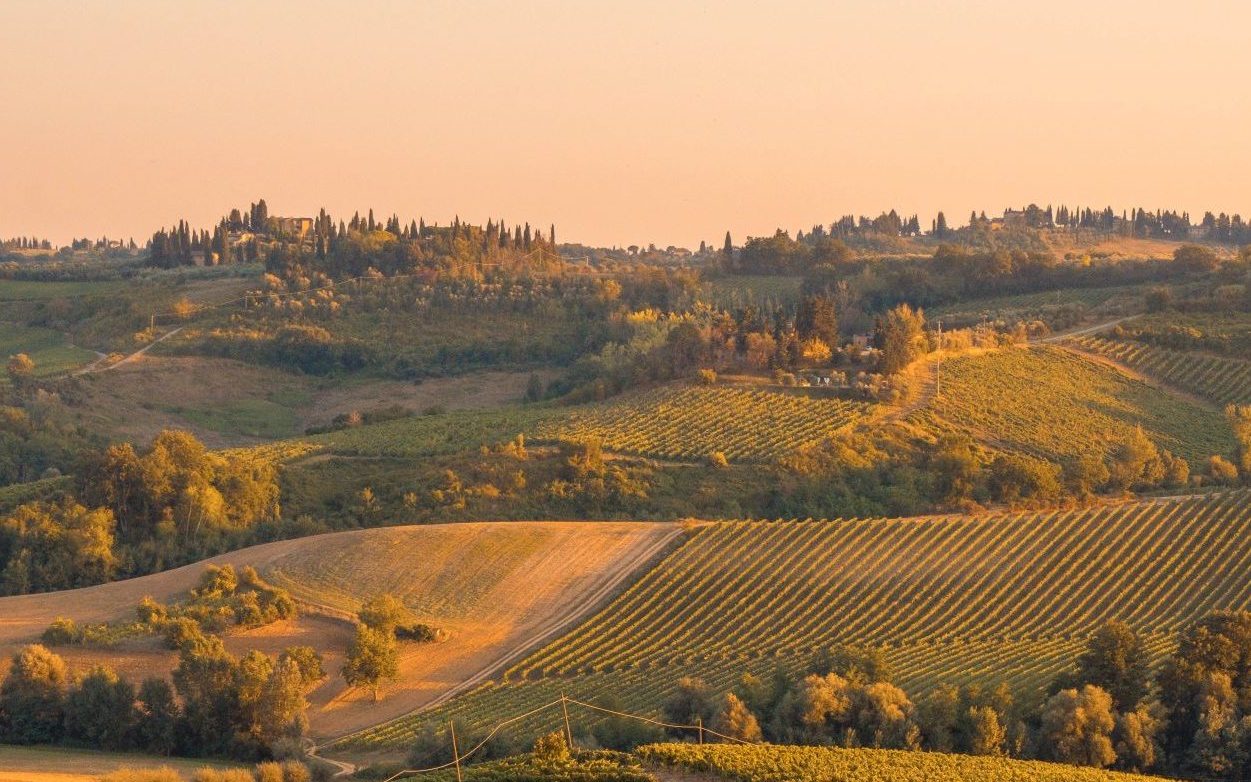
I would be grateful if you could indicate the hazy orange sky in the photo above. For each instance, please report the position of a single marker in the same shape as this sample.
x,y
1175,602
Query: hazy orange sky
x,y
622,122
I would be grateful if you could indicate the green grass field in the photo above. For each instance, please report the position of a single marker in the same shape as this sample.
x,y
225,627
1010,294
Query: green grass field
x,y
49,349
952,600
27,290
1054,404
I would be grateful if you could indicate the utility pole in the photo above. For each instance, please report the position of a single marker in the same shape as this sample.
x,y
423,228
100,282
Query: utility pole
x,y
699,721
455,752
564,707
938,387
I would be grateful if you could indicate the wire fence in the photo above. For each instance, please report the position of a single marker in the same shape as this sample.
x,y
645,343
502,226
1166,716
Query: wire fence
x,y
563,702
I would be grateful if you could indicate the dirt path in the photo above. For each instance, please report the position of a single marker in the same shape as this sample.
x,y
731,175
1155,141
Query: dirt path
x,y
95,366
1081,332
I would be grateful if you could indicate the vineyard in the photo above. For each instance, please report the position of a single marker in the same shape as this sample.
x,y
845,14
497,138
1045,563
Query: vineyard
x,y
766,763
1221,379
952,599
691,423
1054,404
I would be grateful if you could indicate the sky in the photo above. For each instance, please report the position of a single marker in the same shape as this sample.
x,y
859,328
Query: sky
x,y
621,122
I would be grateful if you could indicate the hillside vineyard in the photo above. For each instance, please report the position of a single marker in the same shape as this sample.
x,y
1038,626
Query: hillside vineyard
x,y
954,599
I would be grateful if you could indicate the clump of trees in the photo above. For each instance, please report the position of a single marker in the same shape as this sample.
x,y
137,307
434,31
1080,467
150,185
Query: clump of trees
x,y
372,658
249,708
134,513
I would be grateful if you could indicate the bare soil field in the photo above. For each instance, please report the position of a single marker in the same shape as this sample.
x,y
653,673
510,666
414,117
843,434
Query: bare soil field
x,y
498,588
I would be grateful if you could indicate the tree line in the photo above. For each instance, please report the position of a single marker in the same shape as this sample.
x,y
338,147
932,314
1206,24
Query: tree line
x,y
1189,716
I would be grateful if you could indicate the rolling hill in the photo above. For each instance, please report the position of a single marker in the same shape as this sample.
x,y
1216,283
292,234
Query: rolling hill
x,y
499,588
994,597
1053,403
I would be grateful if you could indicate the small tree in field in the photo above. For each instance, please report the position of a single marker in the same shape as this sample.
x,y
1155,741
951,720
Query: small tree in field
x,y
21,368
1240,420
900,335
372,659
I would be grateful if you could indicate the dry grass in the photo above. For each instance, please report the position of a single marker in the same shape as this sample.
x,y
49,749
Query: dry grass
x,y
48,764
229,403
499,588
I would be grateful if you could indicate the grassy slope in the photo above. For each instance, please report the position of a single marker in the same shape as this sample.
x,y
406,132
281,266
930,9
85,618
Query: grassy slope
x,y
989,598
49,349
494,586
1055,404
676,422
59,764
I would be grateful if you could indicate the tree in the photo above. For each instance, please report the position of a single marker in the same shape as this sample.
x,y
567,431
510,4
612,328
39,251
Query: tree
x,y
32,697
208,679
690,702
861,664
1195,258
1077,727
372,658
986,733
1117,661
735,720
955,468
156,716
1135,462
1135,739
900,335
100,710
1014,477
281,708
1240,419
817,319
385,613
58,546
21,368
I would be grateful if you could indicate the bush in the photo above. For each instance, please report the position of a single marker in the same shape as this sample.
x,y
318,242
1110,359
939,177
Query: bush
x,y
62,631
706,377
162,774
718,460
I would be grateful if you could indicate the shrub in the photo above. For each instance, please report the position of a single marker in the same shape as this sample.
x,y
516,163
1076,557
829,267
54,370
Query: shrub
x,y
62,631
718,460
706,377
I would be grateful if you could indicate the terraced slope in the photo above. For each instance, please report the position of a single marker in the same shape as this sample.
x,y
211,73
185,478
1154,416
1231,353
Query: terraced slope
x,y
691,423
994,597
1052,403
1221,379
499,588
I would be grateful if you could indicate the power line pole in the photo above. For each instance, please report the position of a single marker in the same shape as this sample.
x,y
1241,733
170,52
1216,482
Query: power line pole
x,y
564,707
938,388
455,752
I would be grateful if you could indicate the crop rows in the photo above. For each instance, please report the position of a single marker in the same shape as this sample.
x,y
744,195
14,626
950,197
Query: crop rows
x,y
769,763
1055,404
951,599
1219,378
691,423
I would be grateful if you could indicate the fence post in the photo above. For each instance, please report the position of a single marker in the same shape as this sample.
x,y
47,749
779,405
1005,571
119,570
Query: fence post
x,y
564,707
455,752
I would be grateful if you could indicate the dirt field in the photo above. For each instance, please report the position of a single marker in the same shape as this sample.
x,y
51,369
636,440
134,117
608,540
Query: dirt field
x,y
47,764
497,587
229,403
